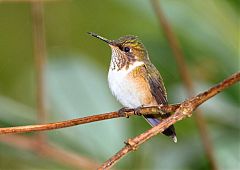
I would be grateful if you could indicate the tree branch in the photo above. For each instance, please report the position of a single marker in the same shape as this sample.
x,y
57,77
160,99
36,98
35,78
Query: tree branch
x,y
184,110
88,119
65,157
39,51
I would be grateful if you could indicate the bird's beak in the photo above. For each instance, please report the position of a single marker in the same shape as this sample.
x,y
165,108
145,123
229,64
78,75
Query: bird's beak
x,y
101,38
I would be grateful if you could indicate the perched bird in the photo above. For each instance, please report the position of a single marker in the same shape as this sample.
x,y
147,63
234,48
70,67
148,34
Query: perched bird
x,y
134,80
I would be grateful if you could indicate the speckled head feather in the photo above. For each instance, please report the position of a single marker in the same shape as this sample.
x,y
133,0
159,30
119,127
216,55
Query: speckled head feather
x,y
129,40
132,47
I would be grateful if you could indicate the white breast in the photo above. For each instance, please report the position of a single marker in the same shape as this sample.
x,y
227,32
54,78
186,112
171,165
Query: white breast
x,y
122,88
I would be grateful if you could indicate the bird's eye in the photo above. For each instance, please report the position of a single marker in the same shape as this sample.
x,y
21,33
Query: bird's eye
x,y
126,49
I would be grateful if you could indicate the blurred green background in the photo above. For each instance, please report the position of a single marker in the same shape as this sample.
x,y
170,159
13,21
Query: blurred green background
x,y
76,79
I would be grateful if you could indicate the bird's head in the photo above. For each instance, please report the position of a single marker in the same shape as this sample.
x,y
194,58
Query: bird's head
x,y
128,47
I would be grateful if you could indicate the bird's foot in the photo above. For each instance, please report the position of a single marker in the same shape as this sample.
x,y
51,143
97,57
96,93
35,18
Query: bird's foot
x,y
137,111
122,112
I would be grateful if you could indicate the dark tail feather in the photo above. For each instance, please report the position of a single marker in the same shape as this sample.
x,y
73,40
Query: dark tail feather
x,y
170,131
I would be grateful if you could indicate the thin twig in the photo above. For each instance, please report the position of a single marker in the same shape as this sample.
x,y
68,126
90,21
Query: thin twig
x,y
39,54
69,158
64,157
185,110
184,73
182,111
141,111
88,119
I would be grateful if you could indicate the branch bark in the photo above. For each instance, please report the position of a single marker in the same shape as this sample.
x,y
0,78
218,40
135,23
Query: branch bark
x,y
88,119
184,110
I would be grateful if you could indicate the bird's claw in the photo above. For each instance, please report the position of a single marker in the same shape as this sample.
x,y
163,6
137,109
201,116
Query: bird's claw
x,y
122,112
137,111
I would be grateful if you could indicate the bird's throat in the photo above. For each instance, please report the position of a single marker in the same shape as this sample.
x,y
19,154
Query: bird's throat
x,y
120,61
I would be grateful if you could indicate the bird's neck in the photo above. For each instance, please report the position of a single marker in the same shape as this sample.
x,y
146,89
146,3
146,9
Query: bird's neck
x,y
124,70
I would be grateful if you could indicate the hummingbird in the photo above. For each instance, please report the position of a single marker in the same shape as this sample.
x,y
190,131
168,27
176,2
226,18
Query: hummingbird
x,y
134,80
